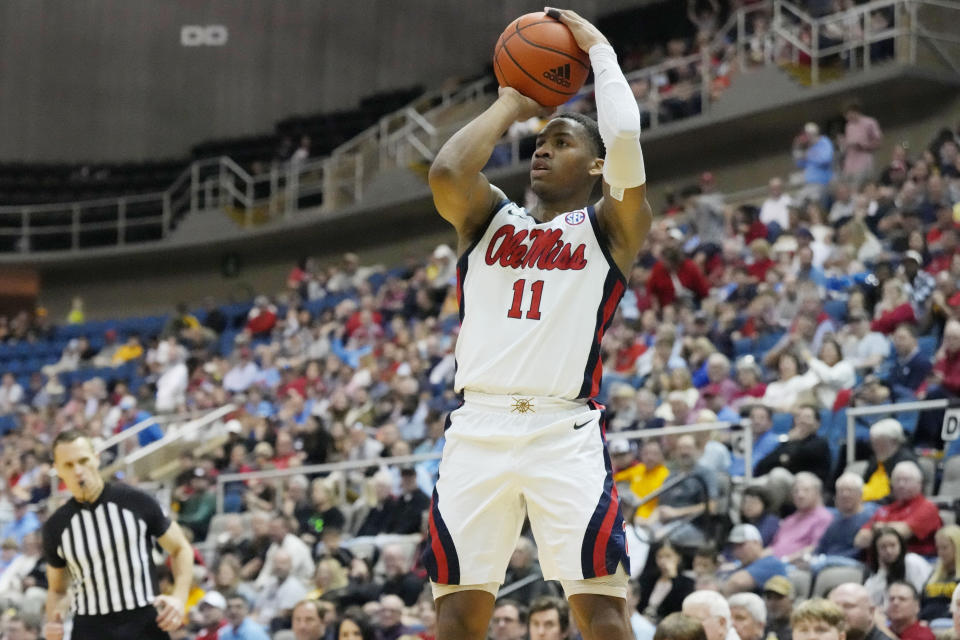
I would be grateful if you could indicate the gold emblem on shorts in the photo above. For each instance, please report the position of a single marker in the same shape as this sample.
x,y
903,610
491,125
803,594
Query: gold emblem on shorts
x,y
522,405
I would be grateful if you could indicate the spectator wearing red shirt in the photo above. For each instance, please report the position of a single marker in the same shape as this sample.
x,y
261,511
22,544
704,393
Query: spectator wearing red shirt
x,y
946,366
903,612
914,517
761,262
262,318
948,248
893,309
674,276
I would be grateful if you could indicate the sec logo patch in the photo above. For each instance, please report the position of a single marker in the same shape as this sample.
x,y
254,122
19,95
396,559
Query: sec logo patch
x,y
575,217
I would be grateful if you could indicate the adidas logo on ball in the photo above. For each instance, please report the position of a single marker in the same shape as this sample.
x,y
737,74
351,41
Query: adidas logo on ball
x,y
559,75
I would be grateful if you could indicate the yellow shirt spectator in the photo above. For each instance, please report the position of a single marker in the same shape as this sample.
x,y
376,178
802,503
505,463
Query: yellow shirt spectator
x,y
642,482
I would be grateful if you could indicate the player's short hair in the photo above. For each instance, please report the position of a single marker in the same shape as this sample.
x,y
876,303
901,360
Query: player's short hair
x,y
310,602
70,435
678,626
592,128
546,603
819,610
522,611
909,587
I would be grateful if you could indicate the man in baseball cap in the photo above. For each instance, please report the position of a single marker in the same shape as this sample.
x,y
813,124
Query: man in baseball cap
x,y
211,610
778,595
757,565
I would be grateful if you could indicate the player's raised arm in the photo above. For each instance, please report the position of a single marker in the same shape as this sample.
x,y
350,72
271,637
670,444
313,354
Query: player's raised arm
x,y
462,194
624,212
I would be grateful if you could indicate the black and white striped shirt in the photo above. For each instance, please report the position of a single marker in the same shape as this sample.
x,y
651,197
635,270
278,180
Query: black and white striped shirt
x,y
106,545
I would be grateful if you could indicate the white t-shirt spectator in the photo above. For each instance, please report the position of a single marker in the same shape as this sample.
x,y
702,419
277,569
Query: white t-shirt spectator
x,y
172,387
776,210
917,572
832,380
240,377
784,396
10,397
860,351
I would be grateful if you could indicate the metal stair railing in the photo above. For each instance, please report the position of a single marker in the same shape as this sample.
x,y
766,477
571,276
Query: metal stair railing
x,y
856,33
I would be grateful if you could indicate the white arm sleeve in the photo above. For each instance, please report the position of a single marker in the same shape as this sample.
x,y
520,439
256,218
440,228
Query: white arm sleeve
x,y
619,120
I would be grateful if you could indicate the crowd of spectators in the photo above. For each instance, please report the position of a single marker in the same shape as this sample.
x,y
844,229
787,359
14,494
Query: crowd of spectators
x,y
778,316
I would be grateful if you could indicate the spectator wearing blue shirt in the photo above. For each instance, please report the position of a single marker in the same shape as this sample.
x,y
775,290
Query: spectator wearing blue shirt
x,y
24,521
755,510
239,626
813,153
131,416
836,545
757,564
764,439
909,368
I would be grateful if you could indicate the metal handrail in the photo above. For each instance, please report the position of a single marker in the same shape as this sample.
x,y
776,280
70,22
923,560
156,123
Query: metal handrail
x,y
350,465
184,429
895,407
135,429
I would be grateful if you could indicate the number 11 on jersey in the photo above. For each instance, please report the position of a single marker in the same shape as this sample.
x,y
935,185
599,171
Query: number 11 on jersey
x,y
533,313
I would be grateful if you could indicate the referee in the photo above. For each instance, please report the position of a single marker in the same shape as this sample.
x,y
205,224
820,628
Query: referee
x,y
105,537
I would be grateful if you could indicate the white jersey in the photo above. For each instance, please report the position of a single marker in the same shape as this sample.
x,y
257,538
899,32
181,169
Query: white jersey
x,y
535,299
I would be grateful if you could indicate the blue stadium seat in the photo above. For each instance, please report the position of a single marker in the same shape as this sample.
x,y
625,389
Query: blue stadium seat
x,y
927,346
782,422
836,309
742,347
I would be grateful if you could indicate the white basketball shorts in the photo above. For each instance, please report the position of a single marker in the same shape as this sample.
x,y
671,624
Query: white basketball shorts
x,y
508,457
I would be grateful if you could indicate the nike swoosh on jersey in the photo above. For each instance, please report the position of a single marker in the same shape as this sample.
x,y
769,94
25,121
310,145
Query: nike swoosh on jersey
x,y
582,425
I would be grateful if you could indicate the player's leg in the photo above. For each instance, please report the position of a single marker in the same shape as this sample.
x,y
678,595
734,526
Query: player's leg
x,y
475,519
601,617
576,519
464,615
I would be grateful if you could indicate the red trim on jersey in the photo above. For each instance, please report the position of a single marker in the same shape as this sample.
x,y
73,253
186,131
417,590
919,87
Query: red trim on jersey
x,y
609,306
438,551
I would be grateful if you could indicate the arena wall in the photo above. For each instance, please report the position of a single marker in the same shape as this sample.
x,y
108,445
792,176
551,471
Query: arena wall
x,y
98,80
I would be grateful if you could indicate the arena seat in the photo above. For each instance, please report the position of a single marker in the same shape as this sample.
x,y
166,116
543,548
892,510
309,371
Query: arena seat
x,y
929,468
927,346
857,467
832,577
836,309
950,483
782,422
801,580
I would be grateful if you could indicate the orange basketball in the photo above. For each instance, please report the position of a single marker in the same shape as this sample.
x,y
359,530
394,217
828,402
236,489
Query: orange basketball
x,y
537,56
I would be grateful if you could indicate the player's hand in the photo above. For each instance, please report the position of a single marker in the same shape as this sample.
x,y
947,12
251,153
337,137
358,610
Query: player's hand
x,y
169,612
583,31
53,630
524,107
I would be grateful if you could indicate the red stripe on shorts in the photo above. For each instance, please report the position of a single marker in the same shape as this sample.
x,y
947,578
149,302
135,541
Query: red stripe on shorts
x,y
438,553
600,546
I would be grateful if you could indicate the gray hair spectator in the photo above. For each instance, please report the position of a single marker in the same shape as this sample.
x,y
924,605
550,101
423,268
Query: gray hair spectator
x,y
889,447
713,612
748,614
913,516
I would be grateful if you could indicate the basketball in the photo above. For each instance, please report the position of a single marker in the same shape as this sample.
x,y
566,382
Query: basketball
x,y
538,56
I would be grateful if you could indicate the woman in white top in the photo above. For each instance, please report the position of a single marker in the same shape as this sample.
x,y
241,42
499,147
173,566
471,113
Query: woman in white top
x,y
790,389
890,562
834,373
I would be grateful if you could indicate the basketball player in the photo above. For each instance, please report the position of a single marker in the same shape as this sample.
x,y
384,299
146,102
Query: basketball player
x,y
103,538
537,289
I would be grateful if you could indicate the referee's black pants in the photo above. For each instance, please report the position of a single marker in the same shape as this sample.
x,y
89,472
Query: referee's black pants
x,y
138,624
